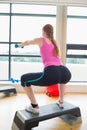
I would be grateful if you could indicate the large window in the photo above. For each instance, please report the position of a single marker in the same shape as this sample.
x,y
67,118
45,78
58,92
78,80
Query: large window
x,y
20,22
77,42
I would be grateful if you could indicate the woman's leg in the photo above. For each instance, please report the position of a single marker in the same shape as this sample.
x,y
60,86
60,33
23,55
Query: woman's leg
x,y
61,92
26,81
61,95
33,108
30,94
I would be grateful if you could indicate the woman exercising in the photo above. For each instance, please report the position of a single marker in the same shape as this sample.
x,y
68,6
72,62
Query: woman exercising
x,y
54,71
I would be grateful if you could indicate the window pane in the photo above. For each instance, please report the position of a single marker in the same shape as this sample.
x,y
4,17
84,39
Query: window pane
x,y
4,28
33,9
77,52
79,72
27,50
76,34
3,68
26,59
76,61
21,66
4,8
77,31
29,27
80,11
4,49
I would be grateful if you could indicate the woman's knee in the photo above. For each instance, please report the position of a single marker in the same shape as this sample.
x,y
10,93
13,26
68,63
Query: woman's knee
x,y
23,81
68,76
22,78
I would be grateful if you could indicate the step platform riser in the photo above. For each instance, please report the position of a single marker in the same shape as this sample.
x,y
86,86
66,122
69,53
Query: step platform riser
x,y
24,120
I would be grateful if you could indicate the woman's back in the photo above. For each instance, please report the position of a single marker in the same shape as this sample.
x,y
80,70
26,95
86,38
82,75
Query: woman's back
x,y
48,55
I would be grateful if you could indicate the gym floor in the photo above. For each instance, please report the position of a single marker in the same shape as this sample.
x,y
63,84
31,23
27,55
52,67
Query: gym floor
x,y
9,105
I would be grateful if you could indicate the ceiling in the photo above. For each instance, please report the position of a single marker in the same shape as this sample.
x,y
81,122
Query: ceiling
x,y
59,2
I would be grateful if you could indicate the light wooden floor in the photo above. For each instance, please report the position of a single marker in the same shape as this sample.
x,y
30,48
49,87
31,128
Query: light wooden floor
x,y
9,105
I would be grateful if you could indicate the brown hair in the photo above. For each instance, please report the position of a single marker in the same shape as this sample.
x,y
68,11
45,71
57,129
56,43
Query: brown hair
x,y
48,29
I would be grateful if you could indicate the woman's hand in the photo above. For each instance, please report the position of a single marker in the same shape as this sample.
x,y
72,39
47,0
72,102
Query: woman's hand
x,y
19,46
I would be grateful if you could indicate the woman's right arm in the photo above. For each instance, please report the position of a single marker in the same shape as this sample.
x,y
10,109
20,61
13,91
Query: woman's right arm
x,y
36,41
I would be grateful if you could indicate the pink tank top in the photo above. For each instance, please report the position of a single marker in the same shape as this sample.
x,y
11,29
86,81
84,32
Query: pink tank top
x,y
47,54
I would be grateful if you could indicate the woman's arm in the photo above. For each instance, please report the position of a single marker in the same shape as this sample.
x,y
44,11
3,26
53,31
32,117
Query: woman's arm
x,y
35,41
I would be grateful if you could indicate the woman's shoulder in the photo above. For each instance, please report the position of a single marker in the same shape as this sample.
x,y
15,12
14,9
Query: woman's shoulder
x,y
39,40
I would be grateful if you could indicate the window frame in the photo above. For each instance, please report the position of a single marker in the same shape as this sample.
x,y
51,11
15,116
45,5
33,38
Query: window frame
x,y
75,46
9,55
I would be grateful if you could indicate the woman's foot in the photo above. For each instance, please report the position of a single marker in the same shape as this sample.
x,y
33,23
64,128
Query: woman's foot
x,y
60,104
34,110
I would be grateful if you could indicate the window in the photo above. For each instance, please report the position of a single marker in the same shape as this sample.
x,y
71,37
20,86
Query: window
x,y
4,28
4,8
19,22
77,42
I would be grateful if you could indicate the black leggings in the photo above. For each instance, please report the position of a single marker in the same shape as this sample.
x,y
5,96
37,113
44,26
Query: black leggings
x,y
51,75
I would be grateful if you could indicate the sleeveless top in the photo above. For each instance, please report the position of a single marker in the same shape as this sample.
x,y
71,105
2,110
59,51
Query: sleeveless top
x,y
47,54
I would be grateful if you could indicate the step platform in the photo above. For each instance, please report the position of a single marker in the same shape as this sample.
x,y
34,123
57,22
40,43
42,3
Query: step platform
x,y
24,120
8,90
